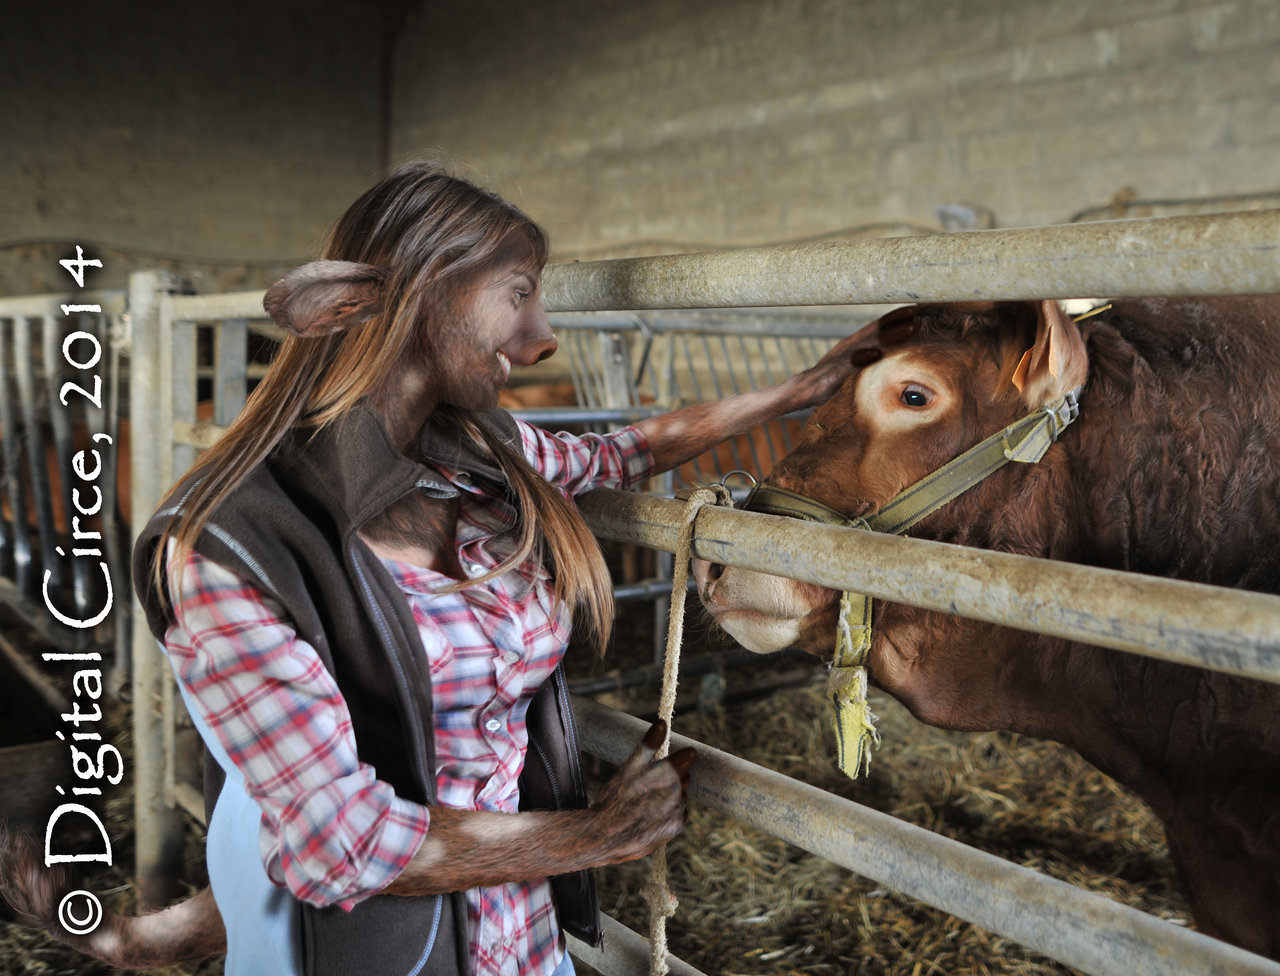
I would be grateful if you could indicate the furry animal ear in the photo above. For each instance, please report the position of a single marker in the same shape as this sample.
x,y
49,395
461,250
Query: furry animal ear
x,y
326,296
1056,363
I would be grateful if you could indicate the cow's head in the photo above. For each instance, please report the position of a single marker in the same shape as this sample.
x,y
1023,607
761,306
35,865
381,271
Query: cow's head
x,y
968,371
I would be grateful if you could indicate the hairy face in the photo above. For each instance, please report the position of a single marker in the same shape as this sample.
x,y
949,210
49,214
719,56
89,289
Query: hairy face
x,y
493,323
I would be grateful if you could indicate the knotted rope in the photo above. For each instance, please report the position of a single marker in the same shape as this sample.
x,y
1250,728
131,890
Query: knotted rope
x,y
662,903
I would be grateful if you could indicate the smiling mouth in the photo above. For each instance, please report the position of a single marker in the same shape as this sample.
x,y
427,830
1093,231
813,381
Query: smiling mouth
x,y
505,363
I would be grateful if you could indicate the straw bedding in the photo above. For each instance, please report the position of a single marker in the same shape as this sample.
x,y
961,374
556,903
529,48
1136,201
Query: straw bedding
x,y
752,904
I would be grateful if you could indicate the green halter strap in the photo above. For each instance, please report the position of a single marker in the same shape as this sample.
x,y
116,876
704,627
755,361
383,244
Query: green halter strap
x,y
1025,441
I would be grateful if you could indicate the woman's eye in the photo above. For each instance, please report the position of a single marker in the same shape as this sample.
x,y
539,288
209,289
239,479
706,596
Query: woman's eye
x,y
521,296
916,396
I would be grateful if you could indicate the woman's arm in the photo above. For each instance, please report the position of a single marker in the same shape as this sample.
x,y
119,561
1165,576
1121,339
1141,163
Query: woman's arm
x,y
343,835
639,810
686,433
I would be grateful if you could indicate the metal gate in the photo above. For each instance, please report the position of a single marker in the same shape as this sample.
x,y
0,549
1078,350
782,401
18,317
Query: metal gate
x,y
1235,253
1222,254
1200,255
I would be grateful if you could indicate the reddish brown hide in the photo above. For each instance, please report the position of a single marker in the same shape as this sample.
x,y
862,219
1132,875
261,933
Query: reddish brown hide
x,y
1172,469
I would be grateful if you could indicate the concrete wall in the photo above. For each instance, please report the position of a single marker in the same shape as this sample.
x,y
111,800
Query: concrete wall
x,y
632,127
220,140
215,139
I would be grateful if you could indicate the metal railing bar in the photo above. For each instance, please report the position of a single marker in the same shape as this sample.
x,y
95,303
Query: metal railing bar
x,y
1234,253
217,306
1087,931
586,415
624,953
32,306
750,322
1235,631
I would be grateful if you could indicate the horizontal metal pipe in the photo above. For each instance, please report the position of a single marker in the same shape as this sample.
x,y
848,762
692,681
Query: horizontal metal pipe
x,y
828,324
1088,931
226,305
624,953
645,589
1236,253
36,306
585,415
1226,630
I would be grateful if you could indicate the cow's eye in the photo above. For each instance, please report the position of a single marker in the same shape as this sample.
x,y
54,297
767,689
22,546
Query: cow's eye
x,y
916,396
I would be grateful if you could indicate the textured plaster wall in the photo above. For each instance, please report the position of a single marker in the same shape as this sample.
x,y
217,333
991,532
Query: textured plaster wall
x,y
215,139
634,127
221,140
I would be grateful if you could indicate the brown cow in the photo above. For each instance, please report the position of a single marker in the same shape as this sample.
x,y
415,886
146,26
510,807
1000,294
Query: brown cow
x,y
1172,469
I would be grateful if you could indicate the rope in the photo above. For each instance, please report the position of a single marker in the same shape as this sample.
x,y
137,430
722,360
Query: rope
x,y
662,903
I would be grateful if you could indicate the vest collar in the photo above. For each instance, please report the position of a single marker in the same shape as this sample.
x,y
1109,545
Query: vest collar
x,y
352,466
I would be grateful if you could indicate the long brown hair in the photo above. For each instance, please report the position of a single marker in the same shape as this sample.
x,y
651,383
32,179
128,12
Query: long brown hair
x,y
433,232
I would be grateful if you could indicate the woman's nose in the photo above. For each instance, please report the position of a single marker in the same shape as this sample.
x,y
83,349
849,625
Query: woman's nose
x,y
541,341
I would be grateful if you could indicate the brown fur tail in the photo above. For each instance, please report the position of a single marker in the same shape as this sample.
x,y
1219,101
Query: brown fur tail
x,y
191,929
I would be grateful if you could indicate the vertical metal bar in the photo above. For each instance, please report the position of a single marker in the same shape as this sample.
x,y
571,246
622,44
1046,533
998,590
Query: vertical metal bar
x,y
118,539
571,347
230,370
158,844
178,396
18,551
37,472
752,384
615,370
784,431
648,371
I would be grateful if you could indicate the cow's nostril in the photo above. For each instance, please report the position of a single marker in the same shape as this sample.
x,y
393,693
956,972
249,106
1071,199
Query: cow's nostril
x,y
705,573
714,571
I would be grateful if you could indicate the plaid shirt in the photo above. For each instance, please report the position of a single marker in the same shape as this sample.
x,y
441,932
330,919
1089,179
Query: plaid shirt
x,y
331,831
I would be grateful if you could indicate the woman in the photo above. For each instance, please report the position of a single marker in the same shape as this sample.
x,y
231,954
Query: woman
x,y
365,589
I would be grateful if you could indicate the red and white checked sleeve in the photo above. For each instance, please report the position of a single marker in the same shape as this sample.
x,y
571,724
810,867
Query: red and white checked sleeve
x,y
578,463
331,830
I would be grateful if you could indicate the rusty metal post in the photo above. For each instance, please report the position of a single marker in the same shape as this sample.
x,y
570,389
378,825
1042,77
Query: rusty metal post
x,y
1236,253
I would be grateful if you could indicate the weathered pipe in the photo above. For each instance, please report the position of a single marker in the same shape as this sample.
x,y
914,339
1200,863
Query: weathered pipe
x,y
1087,931
624,953
1206,626
1212,254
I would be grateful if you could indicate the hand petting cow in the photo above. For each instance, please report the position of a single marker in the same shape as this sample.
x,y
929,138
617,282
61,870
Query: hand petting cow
x,y
1172,469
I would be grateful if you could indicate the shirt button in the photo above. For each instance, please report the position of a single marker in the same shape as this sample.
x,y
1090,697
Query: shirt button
x,y
511,657
493,725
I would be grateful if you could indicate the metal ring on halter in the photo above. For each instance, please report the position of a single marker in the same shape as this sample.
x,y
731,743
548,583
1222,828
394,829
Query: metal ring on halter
x,y
729,474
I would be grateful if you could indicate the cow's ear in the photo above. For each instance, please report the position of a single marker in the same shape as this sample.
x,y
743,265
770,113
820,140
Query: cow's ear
x,y
326,296
1056,363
